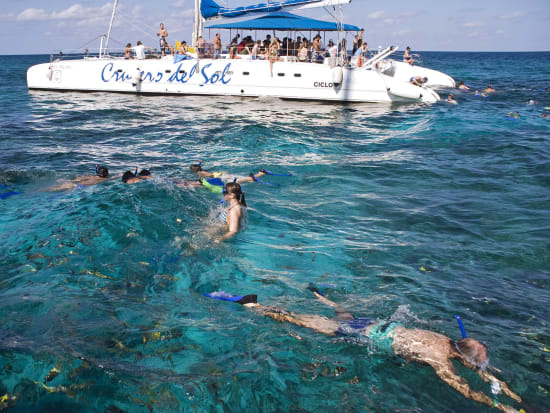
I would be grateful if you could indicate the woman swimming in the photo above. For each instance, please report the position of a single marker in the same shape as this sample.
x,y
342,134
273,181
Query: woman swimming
x,y
421,346
233,215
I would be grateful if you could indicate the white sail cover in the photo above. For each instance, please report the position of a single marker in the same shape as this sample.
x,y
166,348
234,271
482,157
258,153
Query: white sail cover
x,y
210,9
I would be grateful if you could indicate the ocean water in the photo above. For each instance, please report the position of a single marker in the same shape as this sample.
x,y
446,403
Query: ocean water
x,y
407,211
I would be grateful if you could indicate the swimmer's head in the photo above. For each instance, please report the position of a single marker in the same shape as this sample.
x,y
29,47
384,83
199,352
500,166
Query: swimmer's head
x,y
196,167
128,175
473,352
145,174
233,190
102,172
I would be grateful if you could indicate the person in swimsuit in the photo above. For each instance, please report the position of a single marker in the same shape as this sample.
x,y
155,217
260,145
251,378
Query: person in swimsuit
x,y
489,89
101,175
232,216
421,346
162,34
418,80
225,177
407,57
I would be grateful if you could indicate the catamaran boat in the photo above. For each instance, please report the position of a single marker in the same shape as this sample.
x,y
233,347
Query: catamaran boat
x,y
336,79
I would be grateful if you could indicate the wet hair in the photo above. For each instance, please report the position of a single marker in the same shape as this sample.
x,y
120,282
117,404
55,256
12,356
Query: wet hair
x,y
234,188
196,167
102,172
127,175
473,351
144,172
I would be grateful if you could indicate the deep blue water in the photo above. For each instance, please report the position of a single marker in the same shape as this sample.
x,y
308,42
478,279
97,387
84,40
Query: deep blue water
x,y
415,212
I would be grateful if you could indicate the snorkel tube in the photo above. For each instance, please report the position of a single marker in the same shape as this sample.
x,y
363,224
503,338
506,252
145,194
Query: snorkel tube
x,y
96,169
462,329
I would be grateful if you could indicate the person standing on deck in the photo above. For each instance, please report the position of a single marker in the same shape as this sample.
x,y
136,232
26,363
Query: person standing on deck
x,y
162,35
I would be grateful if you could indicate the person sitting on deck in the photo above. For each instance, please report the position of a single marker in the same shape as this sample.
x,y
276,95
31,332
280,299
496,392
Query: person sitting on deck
x,y
128,51
407,57
303,51
412,344
183,49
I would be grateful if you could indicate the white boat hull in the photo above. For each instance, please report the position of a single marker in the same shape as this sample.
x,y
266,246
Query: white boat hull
x,y
235,77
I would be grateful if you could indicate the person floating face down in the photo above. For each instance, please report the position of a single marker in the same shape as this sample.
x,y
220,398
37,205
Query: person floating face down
x,y
101,175
130,177
413,345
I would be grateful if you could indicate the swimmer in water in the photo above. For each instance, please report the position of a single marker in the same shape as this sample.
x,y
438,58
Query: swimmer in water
x,y
462,86
101,175
489,89
130,177
421,346
225,177
451,99
232,216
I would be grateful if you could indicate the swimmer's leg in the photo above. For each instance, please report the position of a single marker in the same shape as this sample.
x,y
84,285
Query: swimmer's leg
x,y
252,177
341,313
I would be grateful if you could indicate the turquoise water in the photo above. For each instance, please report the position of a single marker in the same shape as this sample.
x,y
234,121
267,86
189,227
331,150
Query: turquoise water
x,y
105,283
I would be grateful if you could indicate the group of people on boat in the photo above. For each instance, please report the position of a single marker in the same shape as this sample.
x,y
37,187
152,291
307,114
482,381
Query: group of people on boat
x,y
271,48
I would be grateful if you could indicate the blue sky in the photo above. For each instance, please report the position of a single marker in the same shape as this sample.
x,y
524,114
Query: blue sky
x,y
36,26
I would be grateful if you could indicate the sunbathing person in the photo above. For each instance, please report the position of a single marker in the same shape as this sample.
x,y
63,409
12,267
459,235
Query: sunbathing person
x,y
421,346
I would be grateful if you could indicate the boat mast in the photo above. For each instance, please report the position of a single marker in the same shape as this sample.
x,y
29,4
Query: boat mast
x,y
197,24
106,49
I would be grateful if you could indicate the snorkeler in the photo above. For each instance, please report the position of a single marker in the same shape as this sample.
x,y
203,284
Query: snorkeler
x,y
215,181
451,99
421,346
225,177
232,216
101,175
130,177
489,89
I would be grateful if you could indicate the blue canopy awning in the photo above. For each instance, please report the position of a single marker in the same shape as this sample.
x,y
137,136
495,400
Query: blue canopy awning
x,y
283,21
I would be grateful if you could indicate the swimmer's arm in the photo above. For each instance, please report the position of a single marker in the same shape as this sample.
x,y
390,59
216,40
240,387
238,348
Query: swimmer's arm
x,y
446,372
204,174
488,377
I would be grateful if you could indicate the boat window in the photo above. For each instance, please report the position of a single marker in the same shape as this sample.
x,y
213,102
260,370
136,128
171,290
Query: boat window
x,y
246,73
182,72
119,70
297,75
167,70
280,74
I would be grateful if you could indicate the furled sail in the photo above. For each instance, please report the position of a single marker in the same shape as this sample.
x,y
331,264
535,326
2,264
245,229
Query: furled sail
x,y
210,9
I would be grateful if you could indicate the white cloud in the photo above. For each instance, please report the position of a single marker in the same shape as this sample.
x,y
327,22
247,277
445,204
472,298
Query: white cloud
x,y
390,21
401,32
376,14
74,12
513,15
499,31
473,24
181,3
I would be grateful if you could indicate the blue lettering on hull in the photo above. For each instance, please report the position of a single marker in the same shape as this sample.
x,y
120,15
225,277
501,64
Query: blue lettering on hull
x,y
180,75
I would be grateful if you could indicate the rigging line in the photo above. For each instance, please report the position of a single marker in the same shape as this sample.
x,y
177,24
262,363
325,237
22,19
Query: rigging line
x,y
86,44
145,29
